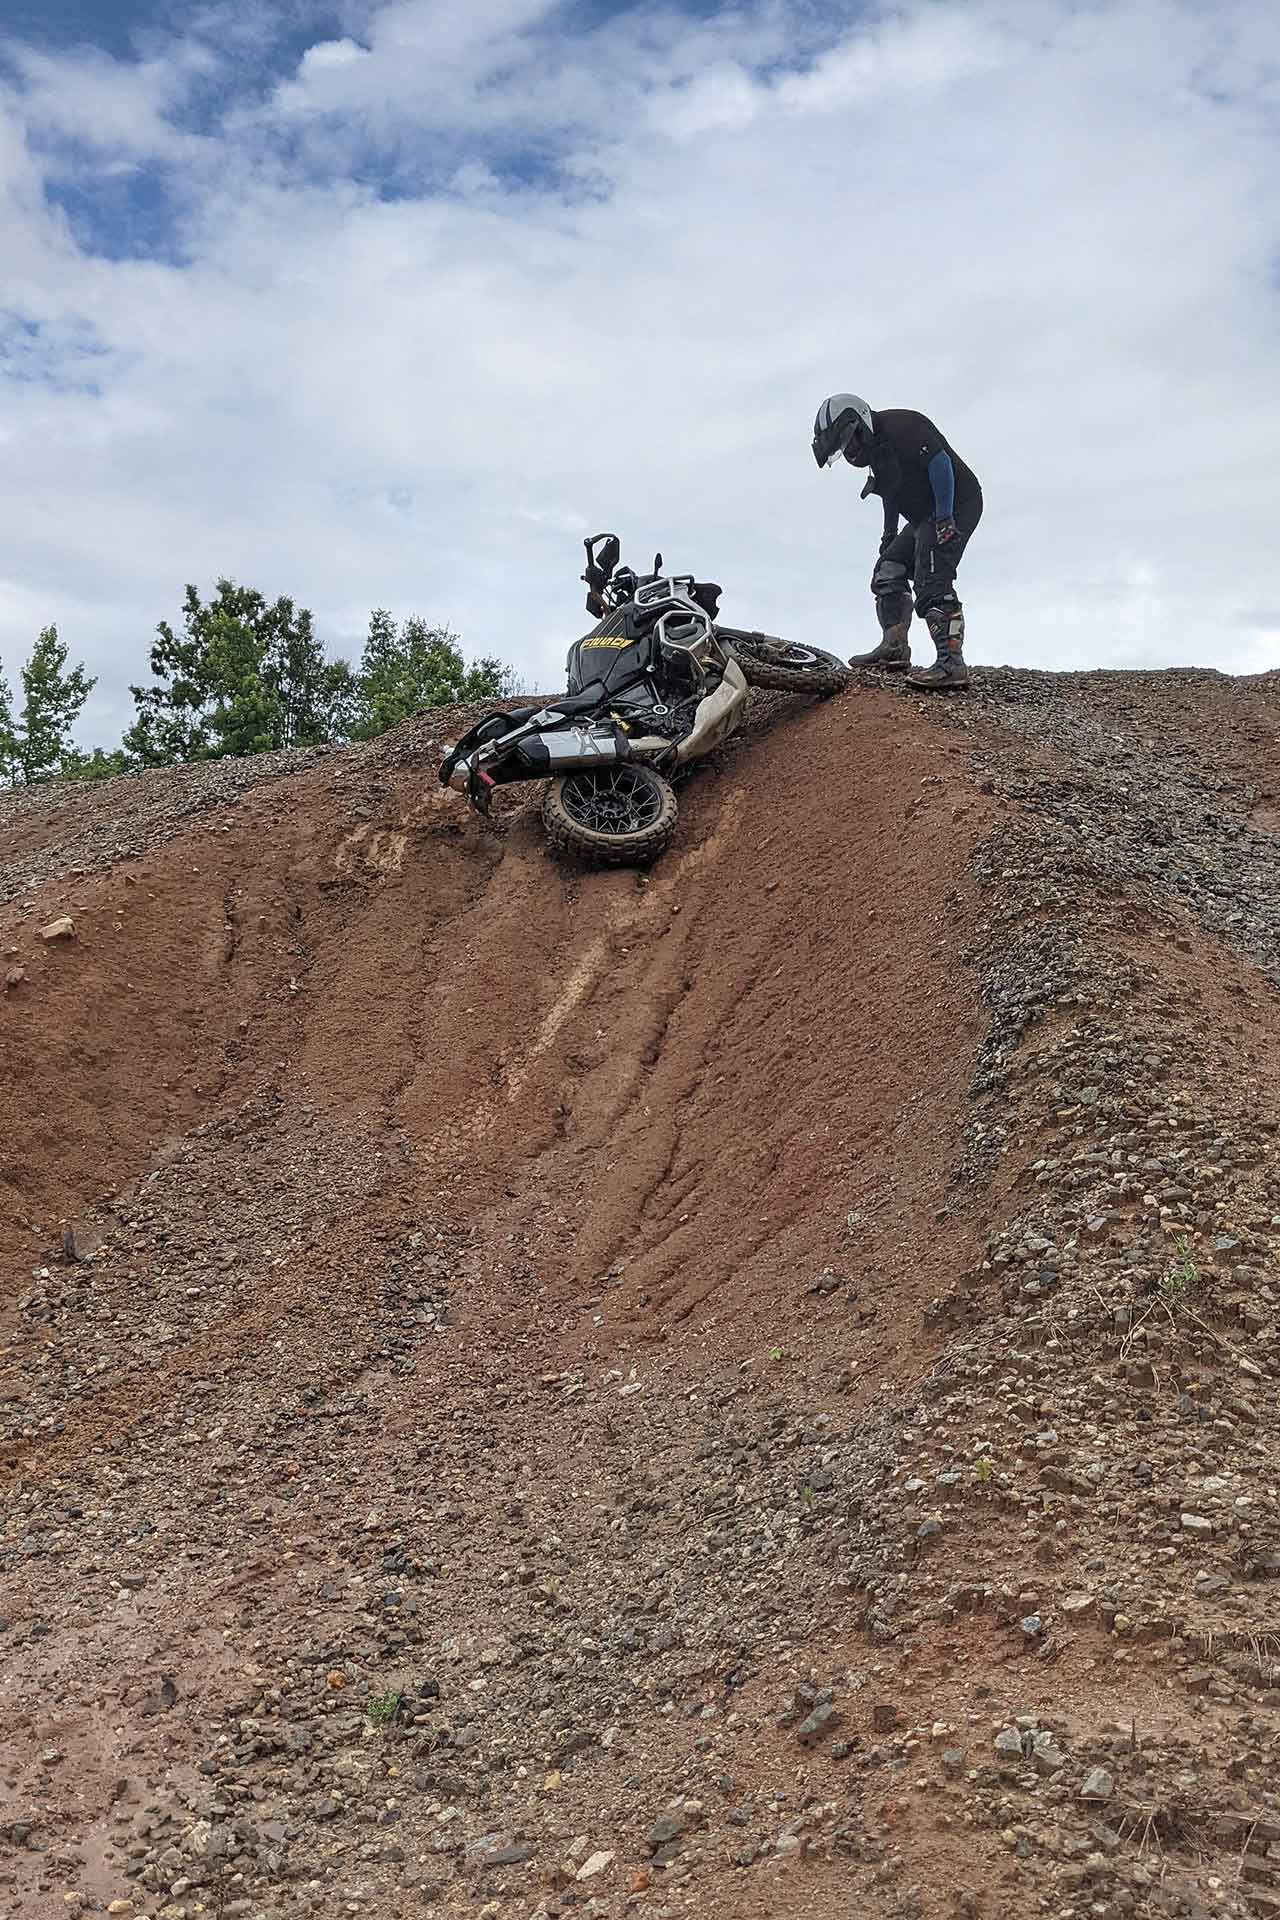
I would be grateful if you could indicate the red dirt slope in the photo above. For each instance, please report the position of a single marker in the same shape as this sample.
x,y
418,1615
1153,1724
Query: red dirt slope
x,y
555,1364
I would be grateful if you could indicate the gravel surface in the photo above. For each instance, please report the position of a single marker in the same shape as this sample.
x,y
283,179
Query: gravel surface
x,y
749,1390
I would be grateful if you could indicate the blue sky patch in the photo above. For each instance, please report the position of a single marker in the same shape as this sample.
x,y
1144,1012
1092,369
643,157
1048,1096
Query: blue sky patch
x,y
121,215
56,25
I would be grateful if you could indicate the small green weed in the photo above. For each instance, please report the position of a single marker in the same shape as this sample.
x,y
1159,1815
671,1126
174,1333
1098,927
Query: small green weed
x,y
1181,1280
383,1708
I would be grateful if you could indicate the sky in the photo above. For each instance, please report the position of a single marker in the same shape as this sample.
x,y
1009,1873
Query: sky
x,y
388,303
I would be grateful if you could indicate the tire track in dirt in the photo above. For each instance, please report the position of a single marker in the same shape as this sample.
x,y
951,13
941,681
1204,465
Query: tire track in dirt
x,y
581,1038
470,1328
553,1055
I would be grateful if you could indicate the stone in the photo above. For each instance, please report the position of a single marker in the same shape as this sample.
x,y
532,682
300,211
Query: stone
x,y
1058,1480
63,928
14,977
669,1827
1098,1785
1196,1523
1009,1743
481,1850
594,1865
1048,1757
822,1720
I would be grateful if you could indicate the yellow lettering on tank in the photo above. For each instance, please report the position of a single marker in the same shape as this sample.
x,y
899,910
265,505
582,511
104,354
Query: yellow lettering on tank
x,y
611,643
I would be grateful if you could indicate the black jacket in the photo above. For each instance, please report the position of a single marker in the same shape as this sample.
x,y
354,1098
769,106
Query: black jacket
x,y
903,447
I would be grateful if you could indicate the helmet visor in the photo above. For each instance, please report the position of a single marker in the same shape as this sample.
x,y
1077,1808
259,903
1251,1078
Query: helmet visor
x,y
829,444
842,435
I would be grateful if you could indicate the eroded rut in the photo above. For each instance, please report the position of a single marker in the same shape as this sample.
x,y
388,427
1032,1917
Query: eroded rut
x,y
579,1370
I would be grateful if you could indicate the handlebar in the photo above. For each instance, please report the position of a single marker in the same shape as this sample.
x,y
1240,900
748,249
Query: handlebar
x,y
610,586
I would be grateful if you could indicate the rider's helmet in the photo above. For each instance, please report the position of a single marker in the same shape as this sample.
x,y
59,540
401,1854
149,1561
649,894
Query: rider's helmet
x,y
843,426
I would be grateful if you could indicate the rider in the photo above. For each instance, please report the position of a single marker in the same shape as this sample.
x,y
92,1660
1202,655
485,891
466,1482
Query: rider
x,y
921,480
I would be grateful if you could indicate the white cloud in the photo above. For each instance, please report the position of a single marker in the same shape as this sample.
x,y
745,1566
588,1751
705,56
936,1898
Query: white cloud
x,y
882,70
1052,227
87,97
332,53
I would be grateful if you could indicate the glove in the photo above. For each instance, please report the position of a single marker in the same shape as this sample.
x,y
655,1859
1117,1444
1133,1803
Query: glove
x,y
945,529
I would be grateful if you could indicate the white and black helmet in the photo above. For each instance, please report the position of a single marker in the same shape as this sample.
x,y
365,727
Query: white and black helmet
x,y
842,421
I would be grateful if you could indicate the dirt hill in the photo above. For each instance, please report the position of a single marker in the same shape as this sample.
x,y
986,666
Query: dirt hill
x,y
744,1391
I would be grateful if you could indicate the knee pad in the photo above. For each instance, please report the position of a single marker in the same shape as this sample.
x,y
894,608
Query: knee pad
x,y
889,576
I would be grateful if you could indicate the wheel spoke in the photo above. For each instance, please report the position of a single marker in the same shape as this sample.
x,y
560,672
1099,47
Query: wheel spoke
x,y
613,801
785,654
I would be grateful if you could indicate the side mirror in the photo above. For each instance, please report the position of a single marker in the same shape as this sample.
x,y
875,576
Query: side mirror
x,y
600,566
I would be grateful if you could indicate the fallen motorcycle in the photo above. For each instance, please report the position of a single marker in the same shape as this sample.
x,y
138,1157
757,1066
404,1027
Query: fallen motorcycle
x,y
656,685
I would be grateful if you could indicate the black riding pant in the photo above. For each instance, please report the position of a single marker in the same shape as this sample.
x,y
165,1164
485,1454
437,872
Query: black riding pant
x,y
933,568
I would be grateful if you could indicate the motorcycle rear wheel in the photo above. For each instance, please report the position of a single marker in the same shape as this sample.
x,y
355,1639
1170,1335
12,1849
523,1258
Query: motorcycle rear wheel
x,y
618,816
784,667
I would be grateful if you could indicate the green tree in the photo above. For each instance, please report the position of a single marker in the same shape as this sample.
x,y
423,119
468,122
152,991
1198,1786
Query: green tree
x,y
247,715
404,669
53,698
99,764
171,723
8,739
243,676
316,694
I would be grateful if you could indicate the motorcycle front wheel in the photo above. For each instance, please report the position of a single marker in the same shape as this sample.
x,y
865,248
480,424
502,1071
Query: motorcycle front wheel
x,y
784,667
616,816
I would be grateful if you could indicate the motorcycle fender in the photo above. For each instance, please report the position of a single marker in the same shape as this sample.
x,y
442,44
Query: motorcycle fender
x,y
717,715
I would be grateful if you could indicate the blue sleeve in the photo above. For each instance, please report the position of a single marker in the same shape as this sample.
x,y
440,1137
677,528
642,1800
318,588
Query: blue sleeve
x,y
942,478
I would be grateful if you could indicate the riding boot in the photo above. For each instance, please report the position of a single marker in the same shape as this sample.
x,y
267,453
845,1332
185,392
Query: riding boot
x,y
946,625
893,655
